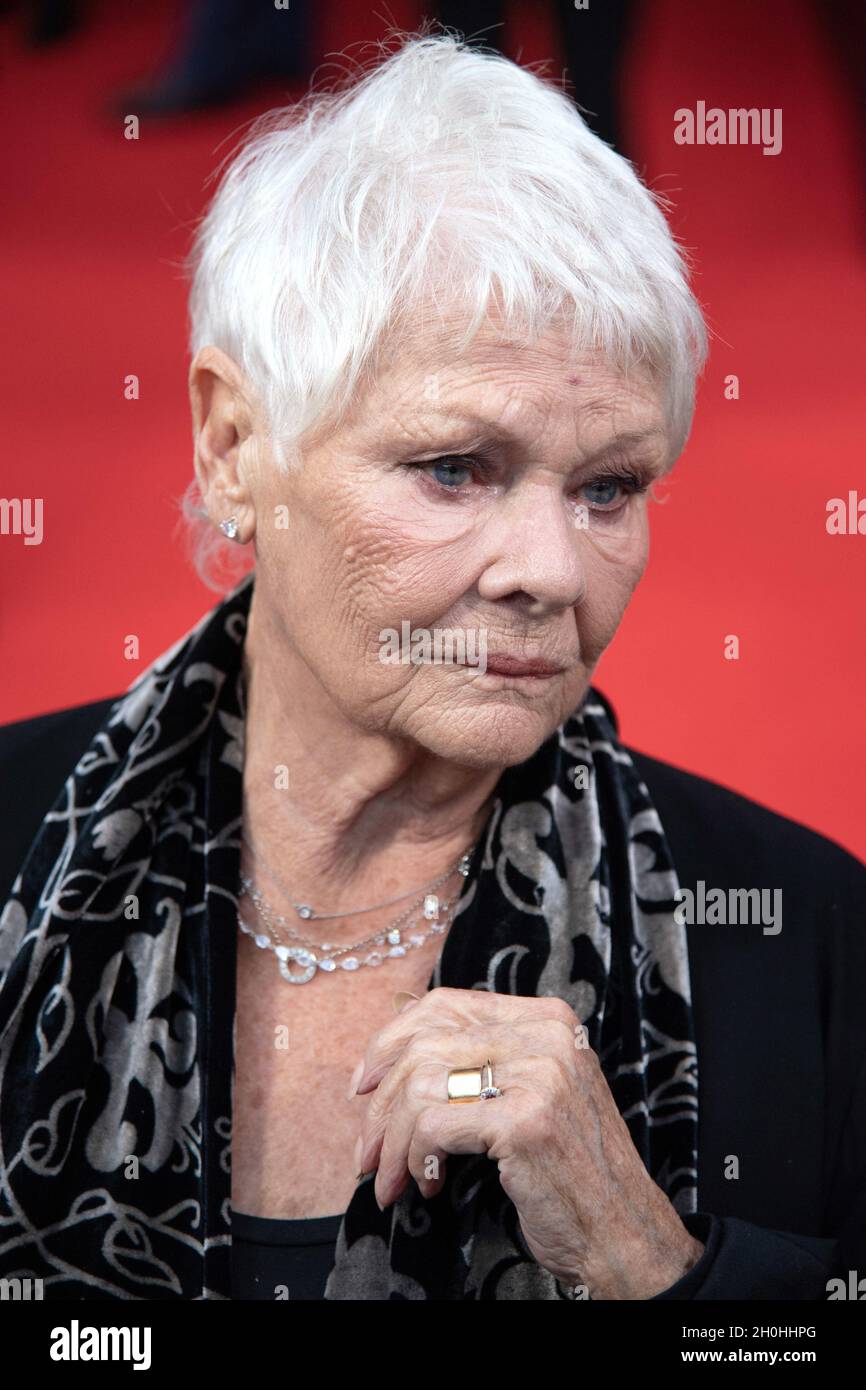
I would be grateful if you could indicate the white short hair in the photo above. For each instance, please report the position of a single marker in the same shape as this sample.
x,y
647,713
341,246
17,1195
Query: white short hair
x,y
444,177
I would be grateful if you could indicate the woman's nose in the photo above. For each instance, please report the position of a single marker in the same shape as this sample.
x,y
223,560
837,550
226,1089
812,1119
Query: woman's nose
x,y
535,548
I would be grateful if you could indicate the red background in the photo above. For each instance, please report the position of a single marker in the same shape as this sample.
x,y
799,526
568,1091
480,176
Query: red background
x,y
94,228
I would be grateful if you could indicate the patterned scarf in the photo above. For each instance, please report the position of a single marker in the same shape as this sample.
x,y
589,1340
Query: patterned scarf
x,y
117,999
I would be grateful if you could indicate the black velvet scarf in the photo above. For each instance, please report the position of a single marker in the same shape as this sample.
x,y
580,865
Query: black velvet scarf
x,y
117,999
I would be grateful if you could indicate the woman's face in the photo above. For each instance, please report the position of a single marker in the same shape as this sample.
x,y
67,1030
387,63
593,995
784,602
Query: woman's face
x,y
498,495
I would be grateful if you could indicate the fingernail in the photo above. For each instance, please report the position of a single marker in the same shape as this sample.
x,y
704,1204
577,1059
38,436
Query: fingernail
x,y
356,1077
402,998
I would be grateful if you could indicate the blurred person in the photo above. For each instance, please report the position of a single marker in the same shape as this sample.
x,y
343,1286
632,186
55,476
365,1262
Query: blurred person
x,y
225,47
593,40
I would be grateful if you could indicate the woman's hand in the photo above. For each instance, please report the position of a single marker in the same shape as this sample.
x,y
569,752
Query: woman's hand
x,y
589,1210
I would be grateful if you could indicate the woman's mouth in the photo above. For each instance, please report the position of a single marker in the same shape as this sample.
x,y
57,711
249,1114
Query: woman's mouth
x,y
516,666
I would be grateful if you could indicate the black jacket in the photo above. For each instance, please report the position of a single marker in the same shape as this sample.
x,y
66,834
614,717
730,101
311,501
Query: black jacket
x,y
780,1020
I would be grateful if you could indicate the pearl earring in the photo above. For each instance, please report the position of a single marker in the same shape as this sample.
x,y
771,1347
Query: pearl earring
x,y
230,528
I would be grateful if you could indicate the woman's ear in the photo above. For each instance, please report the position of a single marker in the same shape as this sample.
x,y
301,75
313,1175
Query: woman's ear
x,y
223,420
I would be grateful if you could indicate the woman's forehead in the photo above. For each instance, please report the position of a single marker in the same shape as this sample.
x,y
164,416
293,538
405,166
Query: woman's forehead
x,y
437,370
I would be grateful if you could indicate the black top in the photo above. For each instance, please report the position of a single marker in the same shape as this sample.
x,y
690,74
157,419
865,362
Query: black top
x,y
282,1259
780,1028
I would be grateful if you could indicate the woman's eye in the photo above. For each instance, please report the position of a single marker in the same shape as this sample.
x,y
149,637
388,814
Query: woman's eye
x,y
451,471
603,493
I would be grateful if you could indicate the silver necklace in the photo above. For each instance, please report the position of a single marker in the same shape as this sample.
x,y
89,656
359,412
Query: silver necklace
x,y
299,963
308,913
433,908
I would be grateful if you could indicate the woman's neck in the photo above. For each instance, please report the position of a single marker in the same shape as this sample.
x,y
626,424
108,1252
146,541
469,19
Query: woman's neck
x,y
342,810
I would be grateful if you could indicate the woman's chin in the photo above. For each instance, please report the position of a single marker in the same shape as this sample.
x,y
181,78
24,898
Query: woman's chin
x,y
504,733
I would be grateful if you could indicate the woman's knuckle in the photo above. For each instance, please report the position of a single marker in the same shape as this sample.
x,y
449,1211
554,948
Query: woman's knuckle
x,y
562,1012
418,1084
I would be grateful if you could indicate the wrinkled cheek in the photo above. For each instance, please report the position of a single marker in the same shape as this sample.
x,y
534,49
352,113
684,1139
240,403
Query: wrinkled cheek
x,y
370,599
596,631
419,589
610,585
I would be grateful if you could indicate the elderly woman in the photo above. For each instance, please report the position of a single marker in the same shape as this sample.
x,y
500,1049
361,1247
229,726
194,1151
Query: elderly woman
x,y
356,957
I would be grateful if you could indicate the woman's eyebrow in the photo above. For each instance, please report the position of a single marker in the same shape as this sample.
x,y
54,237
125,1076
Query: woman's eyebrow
x,y
465,416
626,439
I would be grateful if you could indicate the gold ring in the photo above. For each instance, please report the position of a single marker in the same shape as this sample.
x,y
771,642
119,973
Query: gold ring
x,y
472,1083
